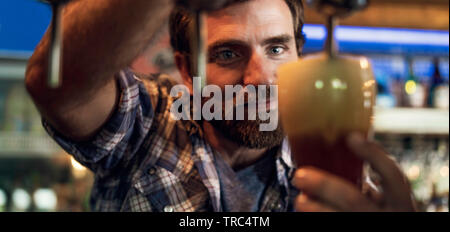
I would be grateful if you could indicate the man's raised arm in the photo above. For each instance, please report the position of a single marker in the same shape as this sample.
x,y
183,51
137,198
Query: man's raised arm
x,y
100,38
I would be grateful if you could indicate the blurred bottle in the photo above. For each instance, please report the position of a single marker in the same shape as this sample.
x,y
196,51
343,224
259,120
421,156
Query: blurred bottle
x,y
438,96
436,203
385,98
398,90
414,89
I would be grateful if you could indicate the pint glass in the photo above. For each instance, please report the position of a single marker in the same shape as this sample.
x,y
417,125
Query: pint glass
x,y
321,100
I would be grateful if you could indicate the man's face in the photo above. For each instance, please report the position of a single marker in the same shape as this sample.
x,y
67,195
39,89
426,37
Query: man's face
x,y
248,41
246,44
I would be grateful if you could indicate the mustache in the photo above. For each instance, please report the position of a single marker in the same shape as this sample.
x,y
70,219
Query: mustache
x,y
251,104
245,98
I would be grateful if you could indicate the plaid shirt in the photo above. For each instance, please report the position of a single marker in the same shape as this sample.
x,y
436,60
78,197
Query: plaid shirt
x,y
144,160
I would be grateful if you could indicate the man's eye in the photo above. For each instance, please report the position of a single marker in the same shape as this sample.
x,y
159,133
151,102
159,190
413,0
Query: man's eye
x,y
226,55
276,50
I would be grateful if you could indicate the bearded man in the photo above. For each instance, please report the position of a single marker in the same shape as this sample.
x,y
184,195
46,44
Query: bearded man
x,y
119,124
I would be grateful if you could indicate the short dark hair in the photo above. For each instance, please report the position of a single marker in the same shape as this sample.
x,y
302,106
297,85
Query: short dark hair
x,y
181,18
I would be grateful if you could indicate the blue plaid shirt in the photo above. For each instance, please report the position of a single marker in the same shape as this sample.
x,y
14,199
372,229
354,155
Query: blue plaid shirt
x,y
144,160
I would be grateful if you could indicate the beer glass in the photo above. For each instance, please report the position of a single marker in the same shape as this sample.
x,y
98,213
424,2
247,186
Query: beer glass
x,y
322,99
326,96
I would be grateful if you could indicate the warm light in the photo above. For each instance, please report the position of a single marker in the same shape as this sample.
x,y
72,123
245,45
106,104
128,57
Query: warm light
x,y
77,169
369,83
21,199
45,199
372,119
367,94
336,83
444,171
413,172
364,63
76,165
319,84
410,87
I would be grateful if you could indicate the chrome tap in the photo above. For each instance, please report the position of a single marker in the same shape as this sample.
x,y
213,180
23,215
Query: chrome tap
x,y
56,43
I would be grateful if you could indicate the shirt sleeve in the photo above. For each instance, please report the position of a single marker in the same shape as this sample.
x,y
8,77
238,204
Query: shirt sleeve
x,y
122,135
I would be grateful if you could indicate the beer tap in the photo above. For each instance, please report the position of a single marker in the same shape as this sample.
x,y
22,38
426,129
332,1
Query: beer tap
x,y
334,9
198,44
56,43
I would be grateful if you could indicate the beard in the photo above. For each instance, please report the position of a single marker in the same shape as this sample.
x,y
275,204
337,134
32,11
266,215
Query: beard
x,y
247,133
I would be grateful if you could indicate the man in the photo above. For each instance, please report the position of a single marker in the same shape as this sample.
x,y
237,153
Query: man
x,y
120,126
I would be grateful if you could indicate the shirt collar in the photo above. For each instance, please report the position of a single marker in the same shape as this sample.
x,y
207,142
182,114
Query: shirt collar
x,y
284,154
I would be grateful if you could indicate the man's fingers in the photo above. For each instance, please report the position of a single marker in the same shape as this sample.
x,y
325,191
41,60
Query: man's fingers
x,y
372,192
394,182
305,204
331,190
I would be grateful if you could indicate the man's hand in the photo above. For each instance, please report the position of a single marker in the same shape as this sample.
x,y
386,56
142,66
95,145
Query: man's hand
x,y
101,38
325,192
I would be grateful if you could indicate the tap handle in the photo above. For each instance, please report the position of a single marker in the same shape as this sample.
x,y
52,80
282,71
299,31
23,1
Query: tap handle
x,y
339,8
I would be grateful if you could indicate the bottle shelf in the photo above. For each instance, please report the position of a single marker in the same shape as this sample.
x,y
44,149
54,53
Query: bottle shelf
x,y
412,121
12,68
419,121
24,144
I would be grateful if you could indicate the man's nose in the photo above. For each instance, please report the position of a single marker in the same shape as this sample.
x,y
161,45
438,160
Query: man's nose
x,y
259,71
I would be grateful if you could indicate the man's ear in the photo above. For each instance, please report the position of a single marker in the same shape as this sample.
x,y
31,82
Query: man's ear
x,y
183,65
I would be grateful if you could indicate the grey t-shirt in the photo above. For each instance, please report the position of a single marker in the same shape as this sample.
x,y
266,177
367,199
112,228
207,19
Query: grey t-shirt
x,y
243,190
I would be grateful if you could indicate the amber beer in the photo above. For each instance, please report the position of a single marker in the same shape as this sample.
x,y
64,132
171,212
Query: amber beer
x,y
336,158
322,100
